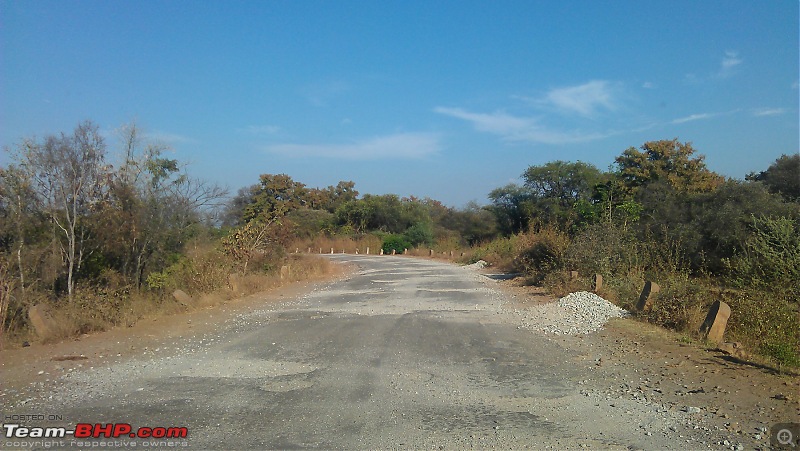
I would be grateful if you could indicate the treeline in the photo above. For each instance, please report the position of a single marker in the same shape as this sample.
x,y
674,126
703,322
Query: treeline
x,y
660,214
77,225
106,239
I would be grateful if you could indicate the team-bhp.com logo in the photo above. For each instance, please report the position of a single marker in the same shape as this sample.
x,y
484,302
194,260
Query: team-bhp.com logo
x,y
97,430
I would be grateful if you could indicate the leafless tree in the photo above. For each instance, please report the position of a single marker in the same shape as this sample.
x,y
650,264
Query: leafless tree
x,y
68,173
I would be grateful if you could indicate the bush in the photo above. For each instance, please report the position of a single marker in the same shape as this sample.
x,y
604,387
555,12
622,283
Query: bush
x,y
542,253
394,242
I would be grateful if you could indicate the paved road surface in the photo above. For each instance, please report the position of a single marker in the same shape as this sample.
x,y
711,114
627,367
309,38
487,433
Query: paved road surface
x,y
404,354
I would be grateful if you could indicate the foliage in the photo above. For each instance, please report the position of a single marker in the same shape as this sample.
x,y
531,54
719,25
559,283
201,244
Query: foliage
x,y
771,255
395,242
782,177
669,161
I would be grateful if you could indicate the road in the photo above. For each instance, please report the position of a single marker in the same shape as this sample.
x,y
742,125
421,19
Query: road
x,y
404,353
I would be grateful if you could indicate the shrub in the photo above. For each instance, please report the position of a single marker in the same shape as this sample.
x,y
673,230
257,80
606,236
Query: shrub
x,y
394,242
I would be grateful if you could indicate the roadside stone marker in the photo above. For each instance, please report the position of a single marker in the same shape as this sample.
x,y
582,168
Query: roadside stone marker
x,y
182,297
285,271
394,251
598,282
648,294
573,275
381,251
41,320
367,250
431,254
233,282
331,251
713,327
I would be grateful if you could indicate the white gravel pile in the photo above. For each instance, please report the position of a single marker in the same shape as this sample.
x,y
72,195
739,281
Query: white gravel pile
x,y
575,313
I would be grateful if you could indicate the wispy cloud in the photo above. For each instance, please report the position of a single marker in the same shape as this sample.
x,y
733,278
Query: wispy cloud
x,y
729,62
692,118
586,99
703,116
759,112
516,128
648,85
396,146
321,93
260,129
169,138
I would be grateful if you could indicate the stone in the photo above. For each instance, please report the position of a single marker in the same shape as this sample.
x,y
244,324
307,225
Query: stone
x,y
41,320
233,282
648,294
405,251
381,251
713,328
734,349
357,249
367,250
431,253
573,275
394,251
286,271
182,297
331,251
598,282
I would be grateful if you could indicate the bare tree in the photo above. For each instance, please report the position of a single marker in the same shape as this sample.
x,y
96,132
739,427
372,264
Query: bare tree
x,y
68,175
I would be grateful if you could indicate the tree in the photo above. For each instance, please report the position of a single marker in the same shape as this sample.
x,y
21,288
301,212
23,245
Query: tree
x,y
151,208
512,208
668,161
782,177
69,176
563,181
276,195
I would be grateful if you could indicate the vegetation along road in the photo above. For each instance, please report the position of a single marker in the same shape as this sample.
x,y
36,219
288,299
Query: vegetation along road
x,y
413,353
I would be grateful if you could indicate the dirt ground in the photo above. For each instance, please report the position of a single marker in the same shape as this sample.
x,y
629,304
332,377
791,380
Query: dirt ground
x,y
633,359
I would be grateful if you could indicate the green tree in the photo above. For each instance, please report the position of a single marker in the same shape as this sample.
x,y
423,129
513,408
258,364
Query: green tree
x,y
512,207
669,161
276,195
782,177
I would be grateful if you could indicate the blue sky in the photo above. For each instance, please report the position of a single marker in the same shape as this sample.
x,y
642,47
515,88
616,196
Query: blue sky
x,y
429,98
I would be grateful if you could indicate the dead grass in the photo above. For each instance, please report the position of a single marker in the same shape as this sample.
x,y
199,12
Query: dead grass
x,y
98,309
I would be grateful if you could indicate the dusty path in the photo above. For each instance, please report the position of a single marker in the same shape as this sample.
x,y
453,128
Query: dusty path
x,y
416,354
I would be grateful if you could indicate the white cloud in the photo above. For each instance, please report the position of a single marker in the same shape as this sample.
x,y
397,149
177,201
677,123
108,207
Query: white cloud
x,y
260,129
397,146
585,99
703,116
693,117
514,128
769,111
648,85
169,138
729,63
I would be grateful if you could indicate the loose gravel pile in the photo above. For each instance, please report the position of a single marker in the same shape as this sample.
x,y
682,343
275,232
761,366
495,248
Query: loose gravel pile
x,y
575,313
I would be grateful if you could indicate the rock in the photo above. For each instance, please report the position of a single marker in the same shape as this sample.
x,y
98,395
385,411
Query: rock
x,y
573,275
40,318
648,294
182,297
234,282
733,349
286,271
713,327
598,282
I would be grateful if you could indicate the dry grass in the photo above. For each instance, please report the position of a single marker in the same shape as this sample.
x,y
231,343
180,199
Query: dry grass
x,y
98,309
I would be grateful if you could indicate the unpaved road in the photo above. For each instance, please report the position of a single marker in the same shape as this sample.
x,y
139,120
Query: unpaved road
x,y
409,353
